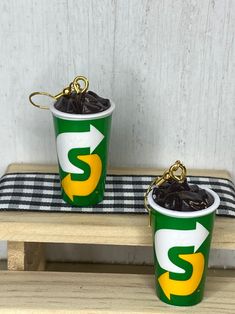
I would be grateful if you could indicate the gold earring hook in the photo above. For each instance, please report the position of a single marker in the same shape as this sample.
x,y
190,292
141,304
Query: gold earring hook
x,y
42,94
73,87
167,175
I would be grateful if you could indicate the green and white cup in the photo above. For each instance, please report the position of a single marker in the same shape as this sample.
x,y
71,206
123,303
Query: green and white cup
x,y
181,242
82,142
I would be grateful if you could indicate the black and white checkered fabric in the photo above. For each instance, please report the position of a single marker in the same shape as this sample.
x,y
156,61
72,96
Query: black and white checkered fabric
x,y
124,193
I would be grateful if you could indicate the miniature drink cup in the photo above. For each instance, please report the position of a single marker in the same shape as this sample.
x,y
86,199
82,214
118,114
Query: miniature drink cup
x,y
82,142
82,129
181,243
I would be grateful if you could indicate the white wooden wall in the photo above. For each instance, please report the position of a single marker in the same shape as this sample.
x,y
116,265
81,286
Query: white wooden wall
x,y
168,65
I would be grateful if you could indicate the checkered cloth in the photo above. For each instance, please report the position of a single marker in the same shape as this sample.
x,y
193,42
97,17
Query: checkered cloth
x,y
123,194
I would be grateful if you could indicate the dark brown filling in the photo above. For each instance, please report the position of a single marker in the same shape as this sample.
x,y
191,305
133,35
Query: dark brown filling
x,y
181,196
84,103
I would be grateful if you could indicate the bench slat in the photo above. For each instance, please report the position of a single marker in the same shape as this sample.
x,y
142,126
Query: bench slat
x,y
51,292
12,168
94,229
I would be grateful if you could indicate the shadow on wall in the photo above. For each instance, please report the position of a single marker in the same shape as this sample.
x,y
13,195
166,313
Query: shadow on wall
x,y
122,255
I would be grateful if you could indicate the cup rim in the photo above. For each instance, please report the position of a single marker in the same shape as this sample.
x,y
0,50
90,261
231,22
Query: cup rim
x,y
177,214
73,116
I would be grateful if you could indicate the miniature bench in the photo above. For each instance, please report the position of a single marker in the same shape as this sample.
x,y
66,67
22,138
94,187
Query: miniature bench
x,y
48,292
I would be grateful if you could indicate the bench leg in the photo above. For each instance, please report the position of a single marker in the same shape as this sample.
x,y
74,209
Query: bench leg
x,y
25,256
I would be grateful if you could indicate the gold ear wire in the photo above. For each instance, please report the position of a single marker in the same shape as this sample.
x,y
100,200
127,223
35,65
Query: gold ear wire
x,y
74,86
40,93
168,174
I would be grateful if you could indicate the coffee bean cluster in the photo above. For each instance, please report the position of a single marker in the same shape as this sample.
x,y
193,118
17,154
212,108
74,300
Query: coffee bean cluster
x,y
181,196
83,103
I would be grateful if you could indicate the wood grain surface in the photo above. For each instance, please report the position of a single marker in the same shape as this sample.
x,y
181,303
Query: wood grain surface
x,y
95,229
30,167
48,292
25,256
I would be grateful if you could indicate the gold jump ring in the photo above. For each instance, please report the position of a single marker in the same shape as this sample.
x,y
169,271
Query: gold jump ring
x,y
77,86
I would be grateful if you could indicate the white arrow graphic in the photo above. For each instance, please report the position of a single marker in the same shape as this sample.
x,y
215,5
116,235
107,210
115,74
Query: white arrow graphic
x,y
67,141
165,239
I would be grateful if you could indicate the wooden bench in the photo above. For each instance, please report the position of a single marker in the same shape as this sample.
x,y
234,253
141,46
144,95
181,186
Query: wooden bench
x,y
52,292
27,232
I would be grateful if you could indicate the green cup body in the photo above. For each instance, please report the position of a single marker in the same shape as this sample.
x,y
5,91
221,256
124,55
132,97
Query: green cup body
x,y
82,143
181,242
